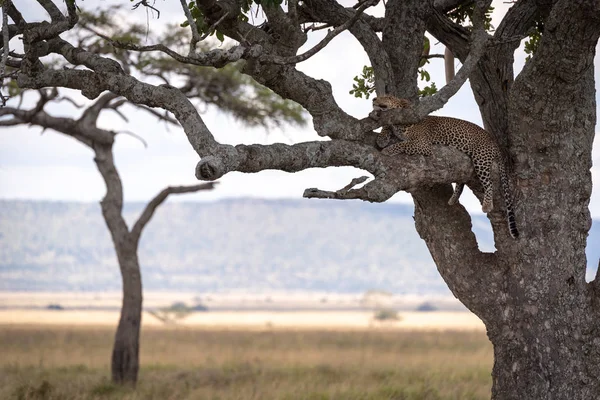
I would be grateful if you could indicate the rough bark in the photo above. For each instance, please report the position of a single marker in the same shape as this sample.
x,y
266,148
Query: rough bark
x,y
552,347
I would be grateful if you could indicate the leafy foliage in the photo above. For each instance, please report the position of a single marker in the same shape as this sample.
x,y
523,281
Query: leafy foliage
x,y
365,84
463,15
227,88
533,41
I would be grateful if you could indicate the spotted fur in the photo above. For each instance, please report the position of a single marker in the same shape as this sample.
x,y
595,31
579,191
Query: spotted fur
x,y
465,136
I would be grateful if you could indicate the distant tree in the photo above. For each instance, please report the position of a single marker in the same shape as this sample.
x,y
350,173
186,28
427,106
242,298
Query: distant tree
x,y
386,314
226,88
426,307
125,356
541,315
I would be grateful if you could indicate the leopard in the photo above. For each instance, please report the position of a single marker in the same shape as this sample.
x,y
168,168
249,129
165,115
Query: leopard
x,y
465,136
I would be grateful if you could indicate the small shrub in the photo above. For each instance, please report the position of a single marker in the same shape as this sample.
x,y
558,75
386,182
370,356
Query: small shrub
x,y
427,306
31,392
386,314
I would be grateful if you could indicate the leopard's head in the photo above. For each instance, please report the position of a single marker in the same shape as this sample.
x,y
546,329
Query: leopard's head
x,y
387,102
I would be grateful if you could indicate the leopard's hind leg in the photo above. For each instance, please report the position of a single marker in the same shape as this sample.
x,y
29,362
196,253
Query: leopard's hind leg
x,y
483,170
456,194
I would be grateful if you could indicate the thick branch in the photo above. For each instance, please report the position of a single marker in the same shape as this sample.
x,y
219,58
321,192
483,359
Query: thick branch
x,y
392,174
112,203
52,10
324,42
446,229
438,100
332,13
92,84
44,30
86,135
153,204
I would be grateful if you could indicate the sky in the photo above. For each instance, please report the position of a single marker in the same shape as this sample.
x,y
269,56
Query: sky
x,y
51,166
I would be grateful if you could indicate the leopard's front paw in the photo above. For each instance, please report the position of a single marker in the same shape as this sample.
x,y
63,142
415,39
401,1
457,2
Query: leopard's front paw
x,y
382,142
389,151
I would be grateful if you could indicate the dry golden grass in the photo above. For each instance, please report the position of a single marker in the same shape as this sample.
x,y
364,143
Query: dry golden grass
x,y
53,362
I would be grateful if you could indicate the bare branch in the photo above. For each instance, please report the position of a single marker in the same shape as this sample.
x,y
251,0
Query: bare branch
x,y
428,56
215,58
354,182
90,115
213,27
151,207
161,116
328,38
333,14
52,10
449,65
32,35
195,35
138,137
68,126
11,122
69,100
145,4
378,190
438,100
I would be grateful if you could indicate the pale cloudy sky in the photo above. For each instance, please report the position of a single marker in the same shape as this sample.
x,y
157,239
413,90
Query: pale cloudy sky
x,y
51,166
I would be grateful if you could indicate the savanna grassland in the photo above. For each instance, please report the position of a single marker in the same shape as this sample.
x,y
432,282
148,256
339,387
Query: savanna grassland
x,y
54,362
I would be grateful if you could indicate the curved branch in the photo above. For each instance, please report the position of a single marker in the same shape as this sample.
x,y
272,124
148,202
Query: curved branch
x,y
214,58
324,42
193,27
44,31
91,84
333,13
438,100
90,115
67,126
153,204
52,10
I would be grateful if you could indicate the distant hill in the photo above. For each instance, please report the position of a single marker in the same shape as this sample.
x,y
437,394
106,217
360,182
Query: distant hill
x,y
310,245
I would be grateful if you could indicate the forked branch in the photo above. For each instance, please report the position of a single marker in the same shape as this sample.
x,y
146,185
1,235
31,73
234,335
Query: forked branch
x,y
153,204
324,42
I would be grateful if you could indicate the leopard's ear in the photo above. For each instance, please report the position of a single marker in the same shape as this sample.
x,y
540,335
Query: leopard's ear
x,y
405,103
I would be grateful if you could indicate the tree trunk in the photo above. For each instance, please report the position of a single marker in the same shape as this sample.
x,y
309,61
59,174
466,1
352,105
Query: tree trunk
x,y
125,355
545,356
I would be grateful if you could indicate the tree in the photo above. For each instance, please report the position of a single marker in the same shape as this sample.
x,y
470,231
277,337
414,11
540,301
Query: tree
x,y
227,88
542,317
125,355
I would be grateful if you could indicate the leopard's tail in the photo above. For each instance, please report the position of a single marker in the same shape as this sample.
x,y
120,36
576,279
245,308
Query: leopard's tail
x,y
508,201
